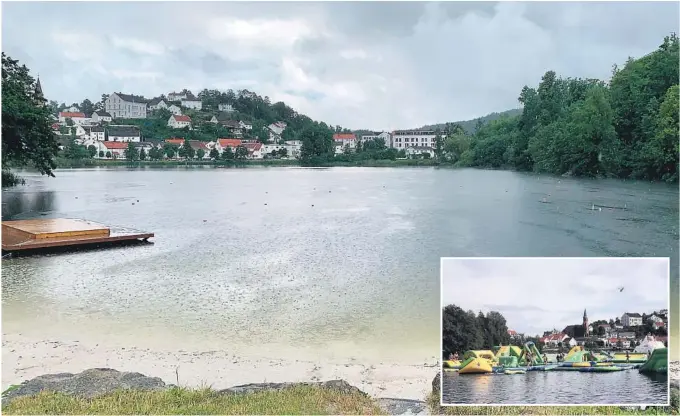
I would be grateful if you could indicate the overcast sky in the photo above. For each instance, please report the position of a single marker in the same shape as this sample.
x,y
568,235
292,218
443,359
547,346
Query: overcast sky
x,y
374,65
537,295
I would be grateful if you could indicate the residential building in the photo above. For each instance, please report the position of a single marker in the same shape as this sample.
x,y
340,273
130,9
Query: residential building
x,y
344,141
513,334
175,141
76,117
227,108
179,122
192,102
631,319
385,136
659,324
233,127
275,131
178,96
627,335
220,118
125,106
245,126
101,117
223,144
569,342
402,139
254,150
554,339
72,109
158,104
654,318
175,109
199,145
123,134
116,150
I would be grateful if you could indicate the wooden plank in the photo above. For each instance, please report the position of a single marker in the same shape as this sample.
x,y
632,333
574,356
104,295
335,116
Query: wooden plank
x,y
54,228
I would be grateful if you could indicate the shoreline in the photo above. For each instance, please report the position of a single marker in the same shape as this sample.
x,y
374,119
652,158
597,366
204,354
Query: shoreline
x,y
25,358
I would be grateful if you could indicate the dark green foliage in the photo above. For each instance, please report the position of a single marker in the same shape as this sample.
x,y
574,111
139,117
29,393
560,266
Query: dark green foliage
x,y
142,154
214,154
584,127
317,144
27,138
471,126
464,331
131,153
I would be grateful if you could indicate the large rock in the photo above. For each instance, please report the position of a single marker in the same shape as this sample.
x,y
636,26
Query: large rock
x,y
437,384
89,383
340,386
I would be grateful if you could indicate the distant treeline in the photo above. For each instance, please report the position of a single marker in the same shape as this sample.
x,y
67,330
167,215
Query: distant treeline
x,y
626,128
463,331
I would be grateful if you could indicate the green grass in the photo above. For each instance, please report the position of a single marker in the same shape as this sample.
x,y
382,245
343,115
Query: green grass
x,y
433,404
299,400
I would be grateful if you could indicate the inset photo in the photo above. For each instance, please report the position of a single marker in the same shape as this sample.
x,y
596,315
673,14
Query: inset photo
x,y
555,331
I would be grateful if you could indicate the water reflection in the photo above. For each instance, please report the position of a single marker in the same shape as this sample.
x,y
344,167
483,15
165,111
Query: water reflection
x,y
27,204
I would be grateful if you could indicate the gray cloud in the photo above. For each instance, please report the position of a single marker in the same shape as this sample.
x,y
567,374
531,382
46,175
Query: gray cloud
x,y
380,65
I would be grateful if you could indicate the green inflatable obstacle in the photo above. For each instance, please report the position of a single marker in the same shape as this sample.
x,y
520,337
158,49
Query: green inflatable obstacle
x,y
657,363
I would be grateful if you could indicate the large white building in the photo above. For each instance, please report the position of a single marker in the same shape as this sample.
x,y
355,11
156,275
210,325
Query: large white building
x,y
402,139
631,319
125,106
179,122
192,102
77,118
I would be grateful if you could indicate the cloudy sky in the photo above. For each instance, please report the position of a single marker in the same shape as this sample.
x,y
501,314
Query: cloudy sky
x,y
380,65
537,295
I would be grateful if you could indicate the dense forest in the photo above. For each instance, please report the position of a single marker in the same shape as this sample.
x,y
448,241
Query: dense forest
x,y
462,331
470,126
626,128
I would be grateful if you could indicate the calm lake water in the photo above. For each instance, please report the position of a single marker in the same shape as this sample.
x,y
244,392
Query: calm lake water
x,y
556,387
343,262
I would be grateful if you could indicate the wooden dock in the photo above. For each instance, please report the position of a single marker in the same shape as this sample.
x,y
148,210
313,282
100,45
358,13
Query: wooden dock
x,y
61,232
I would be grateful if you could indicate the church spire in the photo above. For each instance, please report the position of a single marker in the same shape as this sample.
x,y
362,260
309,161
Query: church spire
x,y
38,87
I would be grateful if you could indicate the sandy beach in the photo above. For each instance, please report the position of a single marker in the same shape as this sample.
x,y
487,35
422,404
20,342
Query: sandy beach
x,y
24,357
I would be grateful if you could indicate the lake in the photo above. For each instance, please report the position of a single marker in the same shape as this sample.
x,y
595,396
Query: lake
x,y
556,387
338,262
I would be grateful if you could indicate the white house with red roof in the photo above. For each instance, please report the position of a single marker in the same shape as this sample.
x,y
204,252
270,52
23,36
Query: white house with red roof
x,y
554,339
343,140
179,121
78,118
254,150
222,144
115,150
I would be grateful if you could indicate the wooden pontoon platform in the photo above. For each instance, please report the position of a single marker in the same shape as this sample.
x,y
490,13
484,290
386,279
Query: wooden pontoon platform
x,y
62,232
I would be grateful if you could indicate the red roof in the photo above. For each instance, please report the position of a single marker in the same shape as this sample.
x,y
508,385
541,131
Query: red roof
x,y
115,145
55,126
197,144
174,141
71,115
659,324
253,146
512,332
344,136
182,118
229,142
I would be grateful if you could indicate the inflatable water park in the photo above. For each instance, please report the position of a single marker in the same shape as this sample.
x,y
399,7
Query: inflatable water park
x,y
512,360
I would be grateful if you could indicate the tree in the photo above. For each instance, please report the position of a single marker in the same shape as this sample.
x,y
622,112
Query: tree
x,y
101,153
214,154
317,144
460,330
131,153
27,137
142,154
92,150
69,121
241,153
87,107
186,150
170,151
74,151
108,155
200,153
228,154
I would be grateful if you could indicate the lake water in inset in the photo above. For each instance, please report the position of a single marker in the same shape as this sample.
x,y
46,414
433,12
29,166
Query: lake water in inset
x,y
556,387
340,262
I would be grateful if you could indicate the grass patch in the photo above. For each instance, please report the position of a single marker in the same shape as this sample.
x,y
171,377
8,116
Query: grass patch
x,y
9,179
298,400
433,404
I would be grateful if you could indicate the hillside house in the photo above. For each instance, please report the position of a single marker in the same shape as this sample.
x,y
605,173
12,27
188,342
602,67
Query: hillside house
x,y
227,108
73,109
345,139
158,104
554,340
654,318
179,122
631,319
178,96
245,126
192,102
123,134
121,105
76,117
101,117
233,127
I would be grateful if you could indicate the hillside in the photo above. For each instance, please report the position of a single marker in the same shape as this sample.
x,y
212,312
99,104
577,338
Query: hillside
x,y
470,125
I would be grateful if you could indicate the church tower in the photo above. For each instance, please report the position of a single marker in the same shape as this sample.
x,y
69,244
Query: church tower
x,y
39,93
586,331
